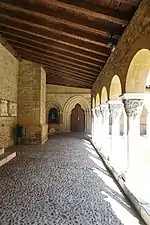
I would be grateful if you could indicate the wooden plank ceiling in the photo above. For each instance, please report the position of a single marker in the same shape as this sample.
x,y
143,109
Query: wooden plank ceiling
x,y
69,38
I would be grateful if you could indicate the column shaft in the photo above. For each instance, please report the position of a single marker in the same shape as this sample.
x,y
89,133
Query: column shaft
x,y
133,108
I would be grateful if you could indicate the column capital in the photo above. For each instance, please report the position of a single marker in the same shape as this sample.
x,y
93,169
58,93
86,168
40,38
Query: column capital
x,y
133,103
97,111
133,107
115,108
103,108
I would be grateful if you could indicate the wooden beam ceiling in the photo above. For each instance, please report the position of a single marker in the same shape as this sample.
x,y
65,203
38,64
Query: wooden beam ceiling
x,y
69,38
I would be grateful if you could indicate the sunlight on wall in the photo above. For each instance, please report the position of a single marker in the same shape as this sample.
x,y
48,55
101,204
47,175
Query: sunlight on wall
x,y
138,72
115,88
93,103
97,99
104,95
148,80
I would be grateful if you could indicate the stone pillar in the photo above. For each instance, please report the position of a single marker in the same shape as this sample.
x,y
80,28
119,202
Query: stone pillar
x,y
105,129
115,109
99,125
147,104
133,108
32,102
148,123
88,122
94,125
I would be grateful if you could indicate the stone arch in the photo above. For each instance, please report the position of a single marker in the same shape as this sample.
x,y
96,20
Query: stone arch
x,y
115,88
93,103
97,99
55,105
104,95
69,105
115,92
138,71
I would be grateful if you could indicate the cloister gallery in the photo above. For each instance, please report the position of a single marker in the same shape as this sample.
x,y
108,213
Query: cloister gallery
x,y
74,112
121,124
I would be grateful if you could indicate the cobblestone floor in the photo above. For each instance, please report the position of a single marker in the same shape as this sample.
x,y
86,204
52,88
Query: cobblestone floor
x,y
61,183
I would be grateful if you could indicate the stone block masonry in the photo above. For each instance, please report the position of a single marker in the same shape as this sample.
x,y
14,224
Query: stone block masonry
x,y
32,101
8,96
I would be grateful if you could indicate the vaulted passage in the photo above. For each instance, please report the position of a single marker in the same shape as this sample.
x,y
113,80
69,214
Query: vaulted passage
x,y
61,182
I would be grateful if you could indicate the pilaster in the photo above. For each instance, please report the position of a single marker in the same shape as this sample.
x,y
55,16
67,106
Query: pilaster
x,y
32,102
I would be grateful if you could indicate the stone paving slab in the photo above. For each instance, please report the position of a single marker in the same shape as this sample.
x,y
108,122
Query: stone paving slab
x,y
58,184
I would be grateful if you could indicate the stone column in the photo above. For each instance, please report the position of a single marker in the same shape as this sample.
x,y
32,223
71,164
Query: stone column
x,y
99,125
115,109
92,124
148,123
133,108
147,104
32,102
94,127
105,129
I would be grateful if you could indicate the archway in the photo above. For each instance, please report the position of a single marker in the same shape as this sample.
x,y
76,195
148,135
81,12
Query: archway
x,y
138,79
104,95
53,116
69,105
138,72
77,119
97,99
115,88
93,103
54,110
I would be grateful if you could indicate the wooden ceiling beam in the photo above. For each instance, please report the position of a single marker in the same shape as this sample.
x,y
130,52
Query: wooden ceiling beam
x,y
78,9
71,73
53,46
56,33
52,80
88,8
64,74
99,50
47,53
58,59
60,65
100,29
61,76
51,49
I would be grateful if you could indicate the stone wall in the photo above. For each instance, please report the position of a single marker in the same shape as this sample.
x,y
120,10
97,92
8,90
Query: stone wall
x,y
31,101
8,96
135,37
57,96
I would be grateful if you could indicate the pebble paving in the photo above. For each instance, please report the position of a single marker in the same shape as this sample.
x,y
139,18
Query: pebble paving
x,y
55,185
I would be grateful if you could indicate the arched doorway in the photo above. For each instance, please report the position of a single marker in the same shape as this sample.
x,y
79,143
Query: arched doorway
x,y
69,105
77,119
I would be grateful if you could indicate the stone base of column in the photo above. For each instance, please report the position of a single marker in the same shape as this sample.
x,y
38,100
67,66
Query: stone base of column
x,y
35,134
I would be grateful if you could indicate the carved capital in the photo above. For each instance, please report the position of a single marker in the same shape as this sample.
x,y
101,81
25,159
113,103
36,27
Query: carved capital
x,y
97,111
115,109
104,109
133,107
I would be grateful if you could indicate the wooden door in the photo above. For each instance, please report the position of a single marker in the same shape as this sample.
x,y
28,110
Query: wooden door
x,y
77,119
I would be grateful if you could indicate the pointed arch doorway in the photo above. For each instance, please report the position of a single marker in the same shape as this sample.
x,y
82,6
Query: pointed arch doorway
x,y
77,119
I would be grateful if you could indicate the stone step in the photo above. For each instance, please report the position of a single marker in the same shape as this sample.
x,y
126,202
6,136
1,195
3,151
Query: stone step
x,y
1,151
6,157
